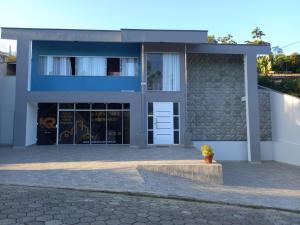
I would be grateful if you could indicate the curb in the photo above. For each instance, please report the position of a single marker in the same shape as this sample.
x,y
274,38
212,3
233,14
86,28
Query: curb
x,y
156,195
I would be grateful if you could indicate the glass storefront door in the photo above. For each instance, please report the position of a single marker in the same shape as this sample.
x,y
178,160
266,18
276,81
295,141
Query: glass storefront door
x,y
66,127
82,127
47,121
98,127
85,123
114,127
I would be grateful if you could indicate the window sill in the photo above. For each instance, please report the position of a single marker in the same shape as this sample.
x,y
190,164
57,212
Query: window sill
x,y
84,76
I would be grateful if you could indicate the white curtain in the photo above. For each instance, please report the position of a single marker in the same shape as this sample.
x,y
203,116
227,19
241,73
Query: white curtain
x,y
46,63
171,72
128,67
61,66
91,66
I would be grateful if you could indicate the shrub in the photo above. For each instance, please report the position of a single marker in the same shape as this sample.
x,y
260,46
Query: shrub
x,y
206,150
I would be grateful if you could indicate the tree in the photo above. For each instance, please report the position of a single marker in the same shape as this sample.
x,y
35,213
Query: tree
x,y
257,35
221,40
277,50
280,62
226,40
294,62
211,39
264,64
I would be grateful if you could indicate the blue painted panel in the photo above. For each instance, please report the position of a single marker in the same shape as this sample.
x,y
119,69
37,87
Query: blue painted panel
x,y
83,83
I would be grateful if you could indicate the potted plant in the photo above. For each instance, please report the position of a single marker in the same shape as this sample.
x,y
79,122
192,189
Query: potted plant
x,y
207,153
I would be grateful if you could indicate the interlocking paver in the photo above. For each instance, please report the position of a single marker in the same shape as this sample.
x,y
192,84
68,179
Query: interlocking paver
x,y
53,222
74,206
269,183
7,221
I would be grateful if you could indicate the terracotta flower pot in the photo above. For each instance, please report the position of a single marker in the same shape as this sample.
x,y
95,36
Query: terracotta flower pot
x,y
208,159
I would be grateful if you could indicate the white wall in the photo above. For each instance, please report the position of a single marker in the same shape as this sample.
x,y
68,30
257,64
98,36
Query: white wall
x,y
31,124
285,112
7,106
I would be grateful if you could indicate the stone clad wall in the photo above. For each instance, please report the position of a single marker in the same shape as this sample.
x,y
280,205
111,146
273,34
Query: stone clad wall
x,y
265,114
215,111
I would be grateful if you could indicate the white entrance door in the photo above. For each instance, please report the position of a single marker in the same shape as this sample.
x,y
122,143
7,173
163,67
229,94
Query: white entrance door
x,y
163,123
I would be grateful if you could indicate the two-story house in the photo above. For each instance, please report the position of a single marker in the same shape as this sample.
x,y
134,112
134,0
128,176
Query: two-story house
x,y
134,87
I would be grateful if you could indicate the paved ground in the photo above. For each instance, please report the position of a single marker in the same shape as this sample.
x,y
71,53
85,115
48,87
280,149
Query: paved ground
x,y
268,184
39,206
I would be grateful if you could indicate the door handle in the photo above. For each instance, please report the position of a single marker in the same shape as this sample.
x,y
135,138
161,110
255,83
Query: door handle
x,y
156,123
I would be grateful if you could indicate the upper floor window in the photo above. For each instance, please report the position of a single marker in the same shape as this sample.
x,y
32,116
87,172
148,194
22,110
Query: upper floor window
x,y
163,71
88,66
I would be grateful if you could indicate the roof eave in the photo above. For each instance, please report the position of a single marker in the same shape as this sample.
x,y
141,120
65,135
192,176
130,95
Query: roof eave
x,y
229,49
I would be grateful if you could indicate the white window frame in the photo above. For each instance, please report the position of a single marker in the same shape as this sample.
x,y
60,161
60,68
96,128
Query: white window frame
x,y
146,70
75,56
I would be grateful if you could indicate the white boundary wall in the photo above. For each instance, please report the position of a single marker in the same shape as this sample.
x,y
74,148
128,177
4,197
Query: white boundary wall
x,y
7,106
285,111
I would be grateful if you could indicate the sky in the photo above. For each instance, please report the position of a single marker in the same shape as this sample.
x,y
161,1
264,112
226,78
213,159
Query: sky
x,y
279,20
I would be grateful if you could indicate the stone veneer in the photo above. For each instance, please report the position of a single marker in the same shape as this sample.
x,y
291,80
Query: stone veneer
x,y
215,111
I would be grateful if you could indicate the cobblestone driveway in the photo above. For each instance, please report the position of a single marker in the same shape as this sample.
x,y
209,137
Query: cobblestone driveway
x,y
269,184
34,206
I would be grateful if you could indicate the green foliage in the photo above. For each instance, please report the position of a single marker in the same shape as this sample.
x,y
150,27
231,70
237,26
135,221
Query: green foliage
x,y
277,50
257,35
221,40
289,86
207,150
226,40
264,64
279,63
211,39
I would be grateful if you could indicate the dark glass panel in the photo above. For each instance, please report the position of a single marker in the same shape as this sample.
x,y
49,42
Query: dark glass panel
x,y
66,106
126,106
150,108
72,59
176,123
150,122
114,127
66,127
47,119
154,71
150,137
98,106
113,66
114,106
176,137
175,108
82,127
98,127
126,127
82,106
